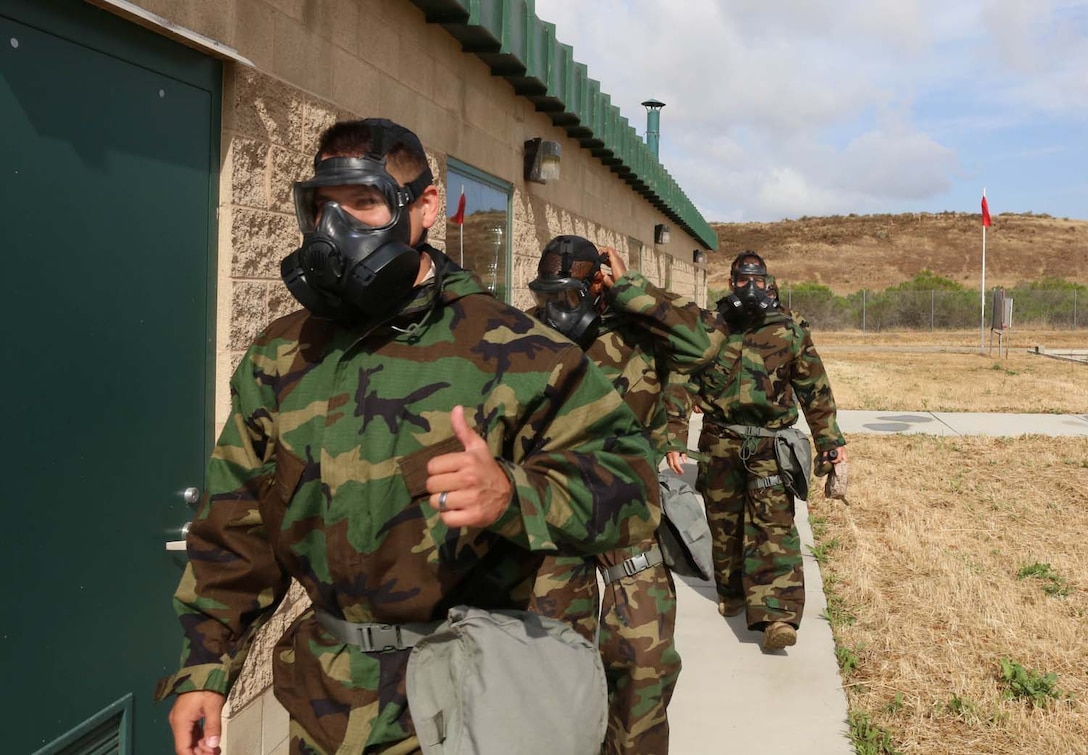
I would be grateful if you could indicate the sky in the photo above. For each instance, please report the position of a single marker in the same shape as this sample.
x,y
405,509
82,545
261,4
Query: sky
x,y
779,109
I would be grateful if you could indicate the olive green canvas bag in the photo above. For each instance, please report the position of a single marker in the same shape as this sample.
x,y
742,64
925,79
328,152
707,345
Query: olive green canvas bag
x,y
684,534
793,452
503,682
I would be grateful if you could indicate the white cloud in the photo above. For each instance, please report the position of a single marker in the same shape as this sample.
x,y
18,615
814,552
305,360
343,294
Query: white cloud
x,y
781,109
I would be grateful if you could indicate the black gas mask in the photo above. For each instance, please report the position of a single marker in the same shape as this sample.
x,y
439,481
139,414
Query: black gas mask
x,y
348,269
565,303
748,298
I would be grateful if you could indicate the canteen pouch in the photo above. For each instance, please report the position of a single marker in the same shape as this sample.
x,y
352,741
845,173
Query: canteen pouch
x,y
506,681
684,534
793,452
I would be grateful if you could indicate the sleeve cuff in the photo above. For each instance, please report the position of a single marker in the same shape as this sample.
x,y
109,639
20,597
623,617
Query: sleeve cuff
x,y
511,523
209,677
826,445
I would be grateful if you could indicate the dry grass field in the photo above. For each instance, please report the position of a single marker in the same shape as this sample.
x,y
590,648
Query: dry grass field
x,y
953,555
944,371
956,576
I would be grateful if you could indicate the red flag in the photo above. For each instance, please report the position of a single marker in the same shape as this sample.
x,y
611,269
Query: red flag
x,y
985,212
459,216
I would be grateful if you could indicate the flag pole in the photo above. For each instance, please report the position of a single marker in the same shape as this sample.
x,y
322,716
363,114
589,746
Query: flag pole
x,y
461,223
982,324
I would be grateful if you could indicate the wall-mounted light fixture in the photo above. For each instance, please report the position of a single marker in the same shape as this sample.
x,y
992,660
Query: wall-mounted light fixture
x,y
661,234
698,256
541,160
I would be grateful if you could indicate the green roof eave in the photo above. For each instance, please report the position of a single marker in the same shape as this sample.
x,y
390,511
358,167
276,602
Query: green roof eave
x,y
518,46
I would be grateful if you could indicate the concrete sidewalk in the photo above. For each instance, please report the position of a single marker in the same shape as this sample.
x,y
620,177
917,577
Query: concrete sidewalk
x,y
959,423
732,697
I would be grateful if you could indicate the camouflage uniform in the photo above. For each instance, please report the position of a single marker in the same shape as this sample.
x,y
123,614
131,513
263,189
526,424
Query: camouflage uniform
x,y
765,363
320,475
646,332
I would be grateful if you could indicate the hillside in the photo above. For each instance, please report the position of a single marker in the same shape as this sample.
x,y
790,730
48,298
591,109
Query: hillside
x,y
849,253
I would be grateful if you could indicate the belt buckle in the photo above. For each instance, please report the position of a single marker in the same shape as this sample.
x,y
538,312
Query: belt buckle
x,y
381,637
635,564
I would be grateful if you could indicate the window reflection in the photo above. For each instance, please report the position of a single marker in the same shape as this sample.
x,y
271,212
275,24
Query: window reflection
x,y
480,241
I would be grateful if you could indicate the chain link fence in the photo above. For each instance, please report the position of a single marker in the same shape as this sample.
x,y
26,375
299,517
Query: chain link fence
x,y
1056,309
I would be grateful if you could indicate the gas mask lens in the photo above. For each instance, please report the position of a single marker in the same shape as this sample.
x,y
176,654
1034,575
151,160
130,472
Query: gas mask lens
x,y
568,298
365,207
754,281
370,197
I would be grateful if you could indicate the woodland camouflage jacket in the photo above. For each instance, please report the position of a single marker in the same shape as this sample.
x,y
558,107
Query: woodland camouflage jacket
x,y
764,364
648,334
319,474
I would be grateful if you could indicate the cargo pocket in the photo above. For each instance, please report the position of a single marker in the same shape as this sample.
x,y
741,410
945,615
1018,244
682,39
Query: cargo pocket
x,y
279,489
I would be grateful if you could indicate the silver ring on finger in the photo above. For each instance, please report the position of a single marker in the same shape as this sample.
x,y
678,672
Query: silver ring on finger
x,y
442,500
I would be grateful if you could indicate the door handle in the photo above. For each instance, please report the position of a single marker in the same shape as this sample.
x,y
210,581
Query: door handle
x,y
179,545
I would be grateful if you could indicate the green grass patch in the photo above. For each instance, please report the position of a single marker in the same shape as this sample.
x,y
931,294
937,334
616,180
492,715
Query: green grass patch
x,y
848,660
821,551
867,737
1053,583
1027,684
837,614
896,704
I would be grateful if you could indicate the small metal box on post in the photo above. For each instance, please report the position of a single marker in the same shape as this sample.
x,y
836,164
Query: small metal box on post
x,y
1000,320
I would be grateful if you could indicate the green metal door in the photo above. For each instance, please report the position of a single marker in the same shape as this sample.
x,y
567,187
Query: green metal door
x,y
108,157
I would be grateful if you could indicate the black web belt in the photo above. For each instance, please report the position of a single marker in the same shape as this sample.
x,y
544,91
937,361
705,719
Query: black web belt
x,y
633,565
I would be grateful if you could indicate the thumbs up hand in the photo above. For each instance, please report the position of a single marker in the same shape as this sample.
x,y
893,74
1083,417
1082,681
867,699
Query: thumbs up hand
x,y
468,487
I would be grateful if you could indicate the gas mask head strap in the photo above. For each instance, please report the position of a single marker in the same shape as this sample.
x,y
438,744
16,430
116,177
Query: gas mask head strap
x,y
384,136
748,263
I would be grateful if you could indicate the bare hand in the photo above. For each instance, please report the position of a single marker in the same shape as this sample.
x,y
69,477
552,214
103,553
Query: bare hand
x,y
676,461
616,263
470,488
191,736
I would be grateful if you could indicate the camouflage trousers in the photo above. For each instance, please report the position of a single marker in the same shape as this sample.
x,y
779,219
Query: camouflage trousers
x,y
301,743
637,624
756,548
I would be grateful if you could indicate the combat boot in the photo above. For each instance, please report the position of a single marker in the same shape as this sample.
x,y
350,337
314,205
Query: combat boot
x,y
778,635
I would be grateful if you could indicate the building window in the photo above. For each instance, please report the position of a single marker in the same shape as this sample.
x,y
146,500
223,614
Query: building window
x,y
480,242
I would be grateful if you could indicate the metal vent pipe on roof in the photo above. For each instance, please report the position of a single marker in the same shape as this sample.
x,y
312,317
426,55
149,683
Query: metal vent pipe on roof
x,y
653,124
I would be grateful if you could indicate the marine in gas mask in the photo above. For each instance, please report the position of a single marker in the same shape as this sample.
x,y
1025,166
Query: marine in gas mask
x,y
568,288
362,215
750,296
637,334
